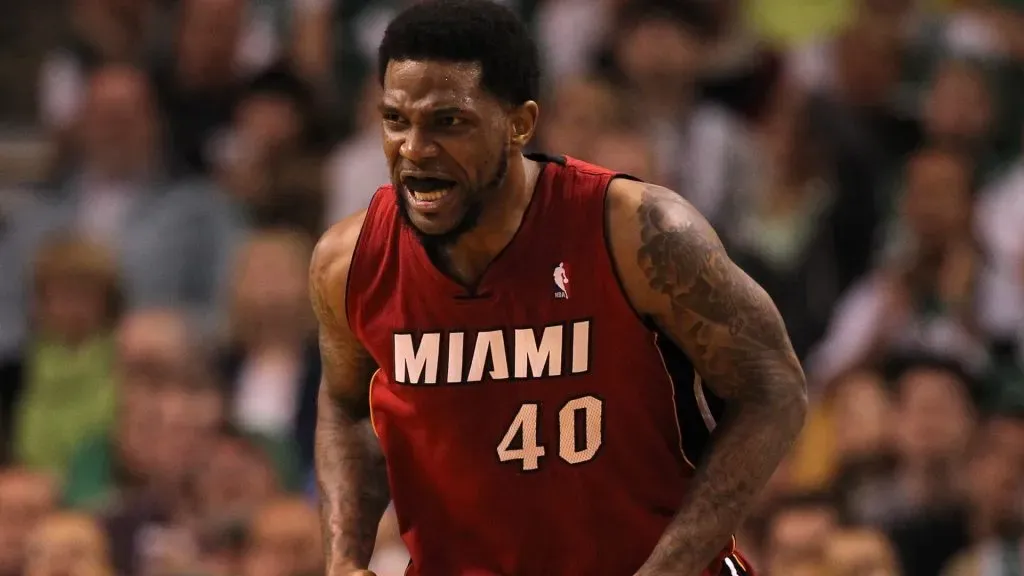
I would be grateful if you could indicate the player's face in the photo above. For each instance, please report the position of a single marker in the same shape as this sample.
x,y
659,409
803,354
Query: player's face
x,y
447,144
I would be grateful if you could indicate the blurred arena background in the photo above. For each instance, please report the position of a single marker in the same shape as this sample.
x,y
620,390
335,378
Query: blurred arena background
x,y
166,166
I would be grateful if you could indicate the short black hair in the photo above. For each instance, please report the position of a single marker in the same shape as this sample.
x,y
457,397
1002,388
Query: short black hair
x,y
479,31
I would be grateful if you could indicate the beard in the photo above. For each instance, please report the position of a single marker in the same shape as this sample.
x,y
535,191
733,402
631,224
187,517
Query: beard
x,y
475,198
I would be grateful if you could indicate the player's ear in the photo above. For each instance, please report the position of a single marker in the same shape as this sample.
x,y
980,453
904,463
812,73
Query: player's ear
x,y
523,121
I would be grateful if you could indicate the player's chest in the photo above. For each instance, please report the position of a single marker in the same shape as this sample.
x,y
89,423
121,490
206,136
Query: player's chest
x,y
532,317
471,340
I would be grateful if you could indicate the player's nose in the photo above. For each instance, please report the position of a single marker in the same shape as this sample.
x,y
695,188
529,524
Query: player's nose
x,y
418,146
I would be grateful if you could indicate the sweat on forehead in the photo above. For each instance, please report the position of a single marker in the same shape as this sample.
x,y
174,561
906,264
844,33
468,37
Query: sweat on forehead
x,y
433,79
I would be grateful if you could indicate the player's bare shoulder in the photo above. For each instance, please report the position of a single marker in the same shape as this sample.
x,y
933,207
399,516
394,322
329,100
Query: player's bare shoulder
x,y
676,271
329,267
648,224
347,365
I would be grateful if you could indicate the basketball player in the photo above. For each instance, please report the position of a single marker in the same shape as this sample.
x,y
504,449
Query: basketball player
x,y
618,424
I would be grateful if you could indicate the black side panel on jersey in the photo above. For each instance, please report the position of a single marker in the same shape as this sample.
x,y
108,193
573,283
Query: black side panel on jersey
x,y
693,399
608,247
542,158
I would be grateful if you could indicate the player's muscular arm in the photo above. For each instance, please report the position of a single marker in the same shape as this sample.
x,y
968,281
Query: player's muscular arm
x,y
349,465
676,271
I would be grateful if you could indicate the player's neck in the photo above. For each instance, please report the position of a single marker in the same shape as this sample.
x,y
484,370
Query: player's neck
x,y
469,256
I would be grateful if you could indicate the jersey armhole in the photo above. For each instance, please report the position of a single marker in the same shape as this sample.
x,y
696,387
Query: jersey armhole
x,y
606,238
356,251
698,410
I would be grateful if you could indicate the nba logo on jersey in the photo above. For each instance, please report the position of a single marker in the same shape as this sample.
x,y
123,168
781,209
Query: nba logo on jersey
x,y
561,278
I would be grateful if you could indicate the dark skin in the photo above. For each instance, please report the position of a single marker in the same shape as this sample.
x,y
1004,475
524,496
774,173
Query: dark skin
x,y
437,121
676,272
671,263
350,467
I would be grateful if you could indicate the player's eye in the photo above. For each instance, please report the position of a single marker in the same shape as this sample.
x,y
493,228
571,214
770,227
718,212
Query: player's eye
x,y
392,117
449,121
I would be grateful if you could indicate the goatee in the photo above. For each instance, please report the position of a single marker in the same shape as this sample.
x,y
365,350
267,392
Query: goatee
x,y
435,242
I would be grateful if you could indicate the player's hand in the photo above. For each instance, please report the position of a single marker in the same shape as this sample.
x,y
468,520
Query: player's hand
x,y
361,573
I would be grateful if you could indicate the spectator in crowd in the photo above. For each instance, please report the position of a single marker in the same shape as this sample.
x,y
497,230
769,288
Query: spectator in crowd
x,y
312,42
863,415
26,497
995,486
28,30
137,474
860,552
998,214
167,406
788,232
934,419
923,299
272,162
68,543
61,389
238,475
284,540
851,103
847,442
583,109
273,119
295,197
199,84
816,62
927,543
744,70
273,365
569,33
797,531
626,150
701,150
100,32
958,113
119,196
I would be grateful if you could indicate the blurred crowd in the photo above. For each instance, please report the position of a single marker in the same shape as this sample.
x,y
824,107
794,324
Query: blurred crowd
x,y
167,165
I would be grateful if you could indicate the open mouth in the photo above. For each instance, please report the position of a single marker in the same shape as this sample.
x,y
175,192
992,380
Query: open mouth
x,y
428,189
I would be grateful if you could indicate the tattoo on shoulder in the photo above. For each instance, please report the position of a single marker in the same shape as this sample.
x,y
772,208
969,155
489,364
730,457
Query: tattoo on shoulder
x,y
725,320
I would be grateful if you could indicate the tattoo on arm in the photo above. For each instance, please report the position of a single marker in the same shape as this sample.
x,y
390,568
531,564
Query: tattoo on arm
x,y
353,483
736,339
351,471
730,325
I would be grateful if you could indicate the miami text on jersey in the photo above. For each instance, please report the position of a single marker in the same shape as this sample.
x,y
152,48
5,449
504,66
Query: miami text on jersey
x,y
458,357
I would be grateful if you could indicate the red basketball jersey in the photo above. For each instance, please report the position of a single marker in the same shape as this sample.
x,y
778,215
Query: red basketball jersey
x,y
536,426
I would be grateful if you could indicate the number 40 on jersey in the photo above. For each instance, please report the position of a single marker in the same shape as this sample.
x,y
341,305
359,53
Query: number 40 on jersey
x,y
583,414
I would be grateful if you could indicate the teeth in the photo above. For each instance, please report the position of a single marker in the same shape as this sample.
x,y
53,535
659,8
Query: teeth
x,y
430,196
